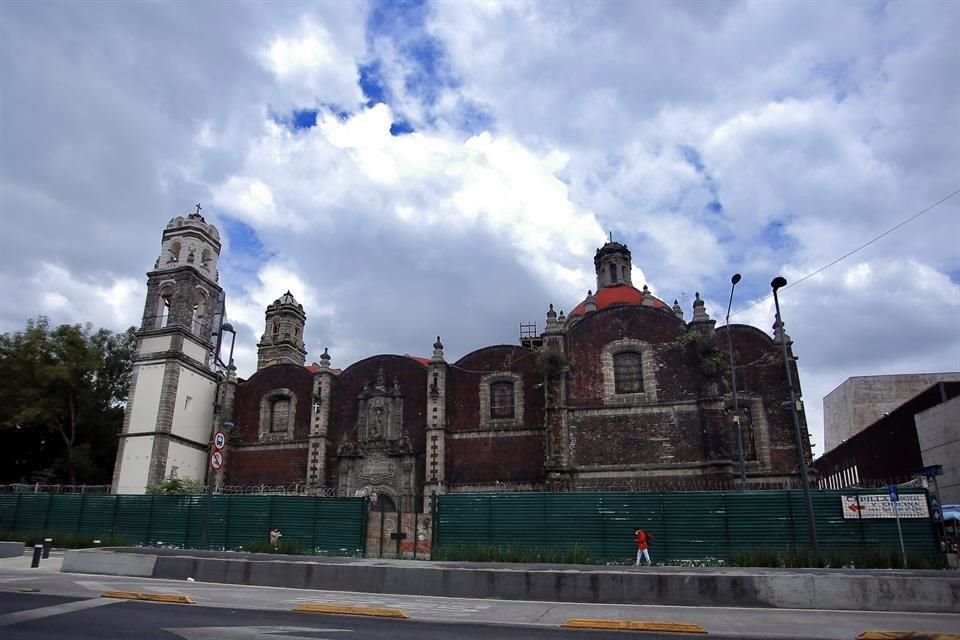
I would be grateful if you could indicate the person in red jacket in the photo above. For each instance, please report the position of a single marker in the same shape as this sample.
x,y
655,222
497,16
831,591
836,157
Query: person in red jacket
x,y
643,544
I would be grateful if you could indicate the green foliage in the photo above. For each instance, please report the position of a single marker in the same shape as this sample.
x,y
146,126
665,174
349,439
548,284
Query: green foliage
x,y
176,486
704,350
62,391
865,558
512,553
63,540
283,548
551,362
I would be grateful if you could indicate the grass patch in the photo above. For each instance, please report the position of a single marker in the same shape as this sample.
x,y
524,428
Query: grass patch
x,y
64,540
870,558
513,553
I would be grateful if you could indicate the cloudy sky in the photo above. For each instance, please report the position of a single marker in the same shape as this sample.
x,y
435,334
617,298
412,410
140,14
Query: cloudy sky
x,y
416,168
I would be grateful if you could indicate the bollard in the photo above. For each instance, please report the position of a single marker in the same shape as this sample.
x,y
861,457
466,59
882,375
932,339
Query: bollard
x,y
47,544
37,552
96,543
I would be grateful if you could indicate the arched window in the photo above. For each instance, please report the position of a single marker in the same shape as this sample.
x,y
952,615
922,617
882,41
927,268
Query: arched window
x,y
276,328
501,400
613,274
205,257
165,306
279,415
174,252
628,372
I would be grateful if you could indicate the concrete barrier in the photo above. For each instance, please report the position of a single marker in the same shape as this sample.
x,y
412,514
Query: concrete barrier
x,y
11,549
109,564
928,592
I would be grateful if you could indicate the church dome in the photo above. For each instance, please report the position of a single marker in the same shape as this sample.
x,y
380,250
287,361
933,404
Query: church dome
x,y
618,295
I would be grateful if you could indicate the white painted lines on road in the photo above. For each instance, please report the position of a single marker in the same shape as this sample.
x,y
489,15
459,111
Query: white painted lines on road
x,y
45,612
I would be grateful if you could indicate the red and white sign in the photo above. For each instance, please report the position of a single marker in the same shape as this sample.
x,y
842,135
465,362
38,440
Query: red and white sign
x,y
219,440
216,460
880,506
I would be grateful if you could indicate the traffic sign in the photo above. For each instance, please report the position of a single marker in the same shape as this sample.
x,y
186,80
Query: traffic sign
x,y
219,440
892,490
216,460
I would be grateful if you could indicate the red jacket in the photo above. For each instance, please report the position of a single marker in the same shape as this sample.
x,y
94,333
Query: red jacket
x,y
641,536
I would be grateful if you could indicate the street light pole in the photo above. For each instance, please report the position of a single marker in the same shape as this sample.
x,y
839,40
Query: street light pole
x,y
217,362
733,383
775,284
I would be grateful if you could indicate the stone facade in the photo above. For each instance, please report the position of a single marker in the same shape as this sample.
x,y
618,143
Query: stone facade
x,y
622,394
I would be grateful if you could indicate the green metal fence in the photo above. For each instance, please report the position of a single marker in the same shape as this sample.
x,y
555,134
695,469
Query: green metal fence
x,y
686,526
332,525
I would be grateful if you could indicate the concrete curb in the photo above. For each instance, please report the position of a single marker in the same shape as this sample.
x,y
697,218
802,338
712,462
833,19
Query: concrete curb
x,y
11,549
376,612
634,625
169,598
789,590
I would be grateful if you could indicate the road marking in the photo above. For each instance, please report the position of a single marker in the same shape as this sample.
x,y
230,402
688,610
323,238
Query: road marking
x,y
251,633
376,612
170,598
411,606
906,635
45,612
634,625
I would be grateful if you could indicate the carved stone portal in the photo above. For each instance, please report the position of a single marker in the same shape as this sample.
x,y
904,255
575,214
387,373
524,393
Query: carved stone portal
x,y
380,459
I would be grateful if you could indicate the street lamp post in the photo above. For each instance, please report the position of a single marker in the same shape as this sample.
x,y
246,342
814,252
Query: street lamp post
x,y
775,284
217,362
733,384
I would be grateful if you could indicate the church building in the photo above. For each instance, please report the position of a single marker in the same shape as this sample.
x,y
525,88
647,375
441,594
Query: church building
x,y
623,393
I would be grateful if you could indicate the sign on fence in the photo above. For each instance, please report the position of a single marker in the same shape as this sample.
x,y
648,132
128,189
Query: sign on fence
x,y
881,506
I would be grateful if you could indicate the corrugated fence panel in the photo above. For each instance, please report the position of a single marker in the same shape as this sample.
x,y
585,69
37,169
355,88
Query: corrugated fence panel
x,y
8,510
32,512
333,525
339,524
133,518
96,520
687,526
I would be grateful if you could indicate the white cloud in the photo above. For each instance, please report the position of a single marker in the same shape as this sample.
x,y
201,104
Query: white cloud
x,y
710,137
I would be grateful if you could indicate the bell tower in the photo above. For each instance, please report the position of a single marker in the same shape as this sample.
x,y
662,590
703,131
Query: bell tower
x,y
613,266
282,341
170,408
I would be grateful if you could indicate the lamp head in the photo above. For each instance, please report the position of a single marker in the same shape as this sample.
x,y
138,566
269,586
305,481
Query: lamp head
x,y
226,326
735,279
778,283
227,426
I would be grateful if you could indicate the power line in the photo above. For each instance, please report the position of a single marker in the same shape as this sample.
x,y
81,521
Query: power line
x,y
847,255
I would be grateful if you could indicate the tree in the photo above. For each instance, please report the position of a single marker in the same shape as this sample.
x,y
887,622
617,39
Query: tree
x,y
62,392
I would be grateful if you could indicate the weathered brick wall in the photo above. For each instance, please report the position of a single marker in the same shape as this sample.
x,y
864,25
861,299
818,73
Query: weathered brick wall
x,y
249,462
636,436
586,340
250,393
256,465
463,385
412,377
494,454
488,459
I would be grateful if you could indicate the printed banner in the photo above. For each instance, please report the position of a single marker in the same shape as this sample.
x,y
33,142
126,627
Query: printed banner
x,y
880,506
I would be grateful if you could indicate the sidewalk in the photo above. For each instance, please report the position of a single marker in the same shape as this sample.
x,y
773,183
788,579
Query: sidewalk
x,y
857,590
53,563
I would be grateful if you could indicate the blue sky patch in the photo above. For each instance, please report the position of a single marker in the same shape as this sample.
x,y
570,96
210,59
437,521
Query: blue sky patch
x,y
774,236
304,118
400,128
371,83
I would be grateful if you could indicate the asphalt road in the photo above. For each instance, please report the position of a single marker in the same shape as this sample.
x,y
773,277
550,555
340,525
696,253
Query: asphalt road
x,y
241,612
32,616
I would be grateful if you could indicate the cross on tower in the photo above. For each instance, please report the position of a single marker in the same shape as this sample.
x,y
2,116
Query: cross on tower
x,y
198,208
